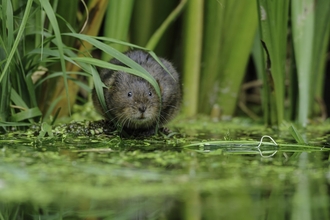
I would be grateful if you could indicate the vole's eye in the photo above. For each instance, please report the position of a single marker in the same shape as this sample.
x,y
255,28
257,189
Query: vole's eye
x,y
129,94
150,94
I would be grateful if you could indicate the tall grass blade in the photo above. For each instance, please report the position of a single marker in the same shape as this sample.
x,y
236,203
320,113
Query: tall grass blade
x,y
273,19
160,31
320,46
55,116
9,19
302,18
117,22
94,23
310,22
68,18
16,85
142,24
5,98
98,86
225,53
213,35
239,28
58,38
192,50
17,40
258,60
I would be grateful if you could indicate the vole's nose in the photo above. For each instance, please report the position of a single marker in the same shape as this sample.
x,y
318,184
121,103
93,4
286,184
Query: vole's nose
x,y
142,108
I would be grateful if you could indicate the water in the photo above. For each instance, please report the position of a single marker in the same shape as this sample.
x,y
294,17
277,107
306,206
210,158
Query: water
x,y
210,171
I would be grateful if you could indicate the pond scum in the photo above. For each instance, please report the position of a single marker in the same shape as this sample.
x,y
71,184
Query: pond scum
x,y
190,175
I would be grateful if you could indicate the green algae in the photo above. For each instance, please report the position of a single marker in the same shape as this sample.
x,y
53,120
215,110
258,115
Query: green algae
x,y
215,168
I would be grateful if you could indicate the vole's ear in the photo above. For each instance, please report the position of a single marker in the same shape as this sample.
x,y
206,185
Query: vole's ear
x,y
108,77
169,66
109,82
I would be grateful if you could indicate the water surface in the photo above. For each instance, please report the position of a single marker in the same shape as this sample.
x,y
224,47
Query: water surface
x,y
209,171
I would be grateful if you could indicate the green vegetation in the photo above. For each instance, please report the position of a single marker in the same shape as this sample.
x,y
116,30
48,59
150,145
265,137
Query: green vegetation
x,y
49,54
230,27
296,71
49,51
60,66
274,37
84,177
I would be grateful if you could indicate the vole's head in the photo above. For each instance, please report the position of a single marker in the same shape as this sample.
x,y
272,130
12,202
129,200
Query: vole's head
x,y
132,101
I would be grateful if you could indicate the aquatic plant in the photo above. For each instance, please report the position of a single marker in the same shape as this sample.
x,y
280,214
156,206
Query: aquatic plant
x,y
49,51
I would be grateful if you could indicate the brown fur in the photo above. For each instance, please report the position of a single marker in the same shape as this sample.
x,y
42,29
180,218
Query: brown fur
x,y
132,102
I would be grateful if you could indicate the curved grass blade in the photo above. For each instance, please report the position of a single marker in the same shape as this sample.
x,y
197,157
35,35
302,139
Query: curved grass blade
x,y
57,74
160,63
119,56
111,40
116,41
51,108
55,116
104,64
160,31
26,114
58,38
256,144
8,8
18,38
273,33
9,124
98,86
17,100
45,129
296,135
54,53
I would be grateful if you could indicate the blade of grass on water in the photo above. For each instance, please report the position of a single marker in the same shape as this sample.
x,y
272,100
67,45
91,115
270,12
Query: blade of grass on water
x,y
296,135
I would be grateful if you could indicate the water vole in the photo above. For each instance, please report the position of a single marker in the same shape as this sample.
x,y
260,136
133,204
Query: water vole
x,y
132,102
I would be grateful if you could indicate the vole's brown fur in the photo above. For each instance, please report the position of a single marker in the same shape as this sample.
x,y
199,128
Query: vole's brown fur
x,y
132,102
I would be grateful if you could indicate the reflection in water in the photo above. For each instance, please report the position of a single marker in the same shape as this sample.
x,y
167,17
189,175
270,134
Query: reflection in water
x,y
162,179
